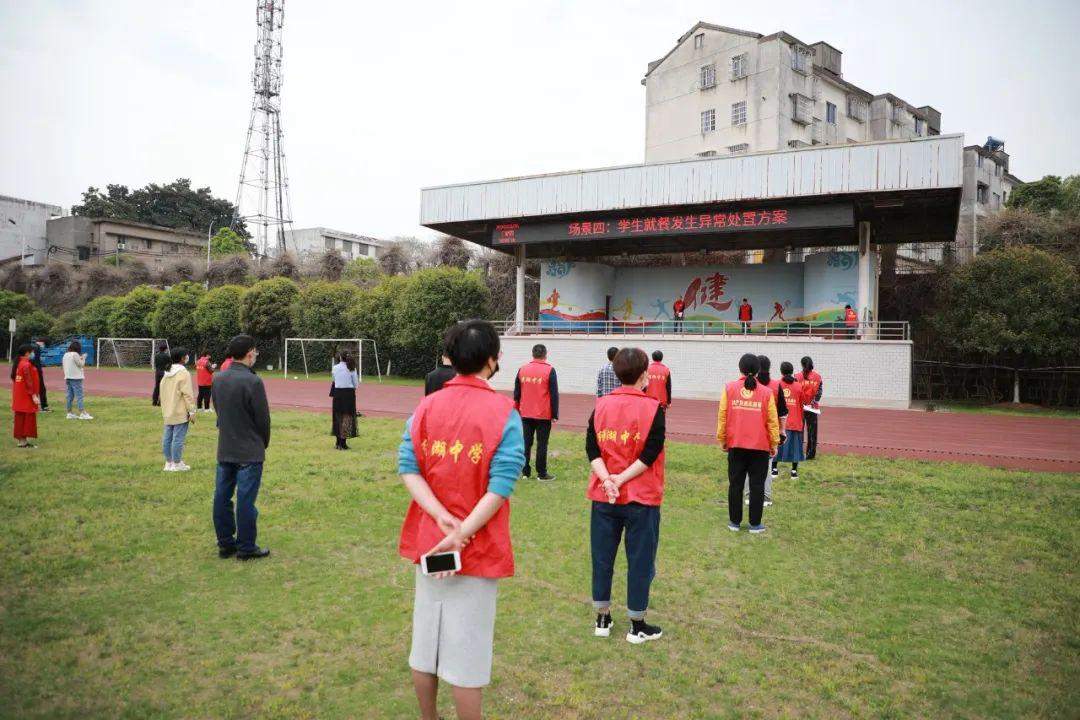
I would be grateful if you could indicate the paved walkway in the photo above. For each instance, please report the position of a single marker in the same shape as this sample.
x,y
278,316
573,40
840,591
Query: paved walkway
x,y
1025,443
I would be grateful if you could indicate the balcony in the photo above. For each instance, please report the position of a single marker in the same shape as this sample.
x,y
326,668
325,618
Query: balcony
x,y
802,109
824,133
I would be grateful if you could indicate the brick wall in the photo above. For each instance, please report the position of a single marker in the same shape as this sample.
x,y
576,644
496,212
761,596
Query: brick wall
x,y
856,373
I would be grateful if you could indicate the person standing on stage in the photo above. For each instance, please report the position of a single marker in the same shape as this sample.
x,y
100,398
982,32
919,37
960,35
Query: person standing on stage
x,y
25,400
851,320
813,383
794,396
749,432
625,446
659,386
460,457
536,398
162,363
746,315
606,382
438,377
678,311
39,346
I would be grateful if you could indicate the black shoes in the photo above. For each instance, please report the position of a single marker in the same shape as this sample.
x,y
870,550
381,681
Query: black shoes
x,y
526,471
641,632
226,553
545,478
603,625
256,554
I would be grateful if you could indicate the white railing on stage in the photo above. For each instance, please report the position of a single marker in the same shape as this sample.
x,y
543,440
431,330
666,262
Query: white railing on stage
x,y
879,330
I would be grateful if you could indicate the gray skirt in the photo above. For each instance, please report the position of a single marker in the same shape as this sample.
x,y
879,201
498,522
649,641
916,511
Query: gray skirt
x,y
454,628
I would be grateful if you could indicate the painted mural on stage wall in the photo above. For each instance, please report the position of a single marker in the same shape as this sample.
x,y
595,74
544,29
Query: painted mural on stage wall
x,y
575,294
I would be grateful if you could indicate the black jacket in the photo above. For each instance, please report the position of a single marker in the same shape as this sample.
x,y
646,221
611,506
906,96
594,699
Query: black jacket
x,y
162,361
437,378
243,415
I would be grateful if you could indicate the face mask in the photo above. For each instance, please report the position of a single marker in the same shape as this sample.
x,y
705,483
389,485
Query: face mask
x,y
494,371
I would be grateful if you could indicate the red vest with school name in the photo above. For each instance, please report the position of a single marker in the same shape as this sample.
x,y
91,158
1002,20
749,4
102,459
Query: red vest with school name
x,y
657,387
535,379
622,422
25,387
811,382
794,396
851,318
455,433
745,312
748,416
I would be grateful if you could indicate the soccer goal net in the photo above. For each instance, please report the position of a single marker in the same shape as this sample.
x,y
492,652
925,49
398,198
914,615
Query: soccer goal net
x,y
127,352
308,356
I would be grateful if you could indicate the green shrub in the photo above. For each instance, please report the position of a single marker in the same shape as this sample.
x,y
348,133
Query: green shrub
x,y
265,313
217,318
30,320
431,301
372,316
66,324
94,318
133,315
363,271
320,309
174,315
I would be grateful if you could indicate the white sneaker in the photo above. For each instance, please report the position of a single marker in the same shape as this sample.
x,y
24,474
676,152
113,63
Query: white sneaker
x,y
169,467
86,416
72,416
181,466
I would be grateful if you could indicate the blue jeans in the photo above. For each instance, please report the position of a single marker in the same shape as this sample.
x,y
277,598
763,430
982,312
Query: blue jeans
x,y
74,393
642,525
237,530
172,442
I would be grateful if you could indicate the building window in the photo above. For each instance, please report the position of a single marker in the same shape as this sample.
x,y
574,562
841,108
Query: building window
x,y
699,40
84,253
708,76
802,109
997,170
982,194
738,67
738,113
328,243
978,160
708,121
830,113
997,202
121,242
737,149
800,59
919,126
149,244
707,153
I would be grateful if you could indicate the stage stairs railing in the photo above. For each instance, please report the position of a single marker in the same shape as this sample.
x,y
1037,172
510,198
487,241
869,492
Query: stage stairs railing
x,y
866,330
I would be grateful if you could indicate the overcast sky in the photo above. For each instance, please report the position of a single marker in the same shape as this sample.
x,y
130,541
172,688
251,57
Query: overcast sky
x,y
381,99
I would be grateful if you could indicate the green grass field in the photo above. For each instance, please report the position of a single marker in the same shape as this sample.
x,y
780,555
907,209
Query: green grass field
x,y
884,589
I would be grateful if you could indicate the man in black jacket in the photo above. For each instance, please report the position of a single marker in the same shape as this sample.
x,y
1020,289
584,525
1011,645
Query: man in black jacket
x,y
162,362
243,420
438,377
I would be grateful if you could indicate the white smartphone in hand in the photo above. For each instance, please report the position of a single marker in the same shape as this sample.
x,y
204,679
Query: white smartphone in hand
x,y
440,563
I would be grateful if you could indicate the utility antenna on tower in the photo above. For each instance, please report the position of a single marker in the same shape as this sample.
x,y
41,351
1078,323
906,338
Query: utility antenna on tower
x,y
262,198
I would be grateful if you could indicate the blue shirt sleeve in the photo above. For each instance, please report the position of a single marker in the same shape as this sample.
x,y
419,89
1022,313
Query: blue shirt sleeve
x,y
509,458
406,456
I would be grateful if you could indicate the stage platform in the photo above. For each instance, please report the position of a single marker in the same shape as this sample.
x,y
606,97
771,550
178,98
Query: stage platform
x,y
857,372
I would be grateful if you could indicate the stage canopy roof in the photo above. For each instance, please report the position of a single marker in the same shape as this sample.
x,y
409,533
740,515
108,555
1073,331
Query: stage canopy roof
x,y
909,190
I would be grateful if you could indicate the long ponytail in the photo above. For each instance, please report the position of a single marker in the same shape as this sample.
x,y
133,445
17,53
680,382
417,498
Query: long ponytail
x,y
748,366
786,372
763,369
807,365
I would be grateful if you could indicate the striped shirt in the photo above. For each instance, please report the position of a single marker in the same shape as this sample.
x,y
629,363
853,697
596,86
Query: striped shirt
x,y
606,382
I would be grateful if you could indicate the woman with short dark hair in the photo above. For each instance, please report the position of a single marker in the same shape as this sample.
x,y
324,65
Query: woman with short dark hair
x,y
625,446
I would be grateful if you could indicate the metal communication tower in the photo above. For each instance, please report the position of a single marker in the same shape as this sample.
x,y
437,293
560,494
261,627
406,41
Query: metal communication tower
x,y
262,198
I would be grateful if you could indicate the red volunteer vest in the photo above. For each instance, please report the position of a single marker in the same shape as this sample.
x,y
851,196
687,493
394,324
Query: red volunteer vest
x,y
622,422
745,312
657,387
811,382
748,416
203,375
851,318
535,378
455,433
24,388
794,396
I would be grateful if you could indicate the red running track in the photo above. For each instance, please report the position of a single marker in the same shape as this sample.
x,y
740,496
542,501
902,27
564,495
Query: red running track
x,y
1023,443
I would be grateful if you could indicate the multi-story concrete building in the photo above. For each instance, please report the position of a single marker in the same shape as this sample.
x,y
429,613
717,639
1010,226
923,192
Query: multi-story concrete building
x,y
726,91
76,240
22,229
308,241
987,185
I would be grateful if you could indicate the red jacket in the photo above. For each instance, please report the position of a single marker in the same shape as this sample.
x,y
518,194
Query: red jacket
x,y
658,382
535,379
795,397
811,381
622,421
204,375
455,433
746,312
25,387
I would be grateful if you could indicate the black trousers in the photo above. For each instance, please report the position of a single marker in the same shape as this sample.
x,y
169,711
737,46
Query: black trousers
x,y
41,389
156,397
542,430
743,463
202,402
810,420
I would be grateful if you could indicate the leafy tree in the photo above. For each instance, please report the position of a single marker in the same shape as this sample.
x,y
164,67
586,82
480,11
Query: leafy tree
x,y
363,271
451,252
1047,196
66,324
134,313
395,260
230,270
175,205
1056,233
431,302
373,316
228,242
320,309
1019,304
94,318
265,312
331,265
30,320
217,317
174,315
